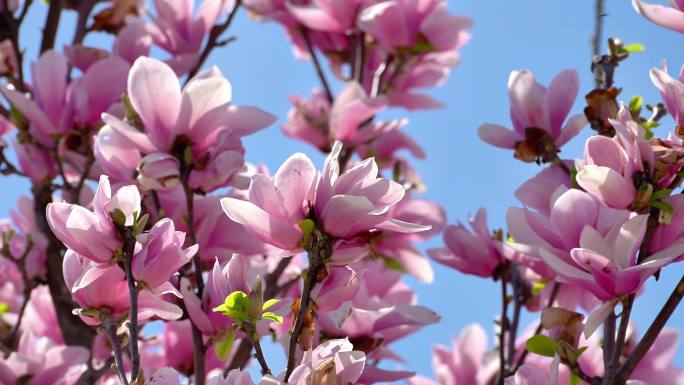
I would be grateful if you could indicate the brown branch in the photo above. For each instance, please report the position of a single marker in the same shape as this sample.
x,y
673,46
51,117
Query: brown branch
x,y
51,25
213,41
503,324
652,333
109,326
317,65
315,264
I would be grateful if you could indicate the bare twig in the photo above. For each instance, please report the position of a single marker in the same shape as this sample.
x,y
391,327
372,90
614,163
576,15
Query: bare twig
x,y
51,25
503,325
652,333
315,264
214,36
109,326
129,246
317,64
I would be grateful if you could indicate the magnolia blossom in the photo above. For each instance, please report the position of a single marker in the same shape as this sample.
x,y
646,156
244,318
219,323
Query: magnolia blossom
x,y
537,114
161,254
672,91
47,110
569,213
197,125
402,24
102,290
181,34
38,361
346,205
465,363
668,17
478,253
336,359
93,233
607,265
610,164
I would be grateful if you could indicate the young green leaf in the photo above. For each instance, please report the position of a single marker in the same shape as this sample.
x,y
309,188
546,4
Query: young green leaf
x,y
223,346
269,303
273,317
633,48
542,345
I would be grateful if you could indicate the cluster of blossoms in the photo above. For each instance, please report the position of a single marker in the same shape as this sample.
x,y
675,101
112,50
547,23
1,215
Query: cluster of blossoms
x,y
151,246
152,252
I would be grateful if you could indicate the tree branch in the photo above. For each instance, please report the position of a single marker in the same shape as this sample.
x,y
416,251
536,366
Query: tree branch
x,y
652,333
317,65
51,25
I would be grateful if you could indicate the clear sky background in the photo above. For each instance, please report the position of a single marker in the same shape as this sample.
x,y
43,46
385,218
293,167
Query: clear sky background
x,y
462,173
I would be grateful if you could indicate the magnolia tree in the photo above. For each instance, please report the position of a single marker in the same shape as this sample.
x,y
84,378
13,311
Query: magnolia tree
x,y
143,211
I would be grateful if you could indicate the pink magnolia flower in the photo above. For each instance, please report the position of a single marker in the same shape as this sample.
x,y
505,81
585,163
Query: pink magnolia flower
x,y
536,193
465,363
157,171
34,162
537,114
161,255
477,252
668,17
570,212
347,119
672,90
346,205
178,32
327,16
199,117
211,226
93,233
382,311
98,89
40,317
668,234
335,358
400,247
403,24
531,375
47,110
102,290
43,362
177,349
607,264
610,164
223,280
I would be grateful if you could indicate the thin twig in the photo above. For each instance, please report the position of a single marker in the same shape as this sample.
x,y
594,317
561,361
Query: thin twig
x,y
51,25
109,326
260,355
129,246
652,333
317,64
503,324
552,299
213,41
315,263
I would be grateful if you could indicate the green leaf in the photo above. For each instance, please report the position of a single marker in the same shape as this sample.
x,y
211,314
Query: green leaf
x,y
307,226
539,286
581,350
661,194
662,206
574,380
423,47
140,224
118,217
269,303
235,306
393,264
635,105
650,124
633,48
542,345
17,117
4,307
273,317
223,346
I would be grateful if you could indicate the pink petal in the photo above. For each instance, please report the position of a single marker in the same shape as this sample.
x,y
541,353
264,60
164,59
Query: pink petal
x,y
664,16
498,136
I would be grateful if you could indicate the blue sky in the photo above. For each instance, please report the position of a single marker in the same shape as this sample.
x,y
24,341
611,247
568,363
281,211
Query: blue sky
x,y
462,173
